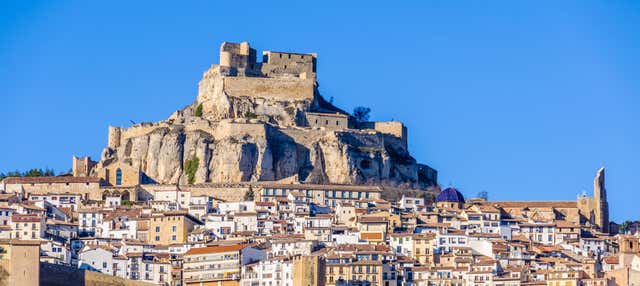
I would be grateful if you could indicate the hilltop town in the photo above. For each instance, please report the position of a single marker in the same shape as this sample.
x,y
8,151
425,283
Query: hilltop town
x,y
262,182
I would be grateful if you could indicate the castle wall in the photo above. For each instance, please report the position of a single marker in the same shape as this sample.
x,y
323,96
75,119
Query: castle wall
x,y
394,128
239,127
276,64
280,88
81,166
114,137
236,55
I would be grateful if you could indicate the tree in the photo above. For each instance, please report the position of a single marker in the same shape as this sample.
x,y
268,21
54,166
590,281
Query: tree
x,y
34,173
361,113
249,195
624,227
198,112
483,195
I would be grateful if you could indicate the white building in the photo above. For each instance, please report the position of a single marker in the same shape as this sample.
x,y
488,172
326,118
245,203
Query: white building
x,y
231,208
273,272
102,259
411,203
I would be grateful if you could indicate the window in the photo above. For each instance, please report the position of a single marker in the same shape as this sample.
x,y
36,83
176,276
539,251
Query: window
x,y
157,238
174,228
118,177
157,229
104,265
174,237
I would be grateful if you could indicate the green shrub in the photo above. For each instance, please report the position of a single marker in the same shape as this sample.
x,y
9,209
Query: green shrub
x,y
249,195
250,115
290,110
198,112
190,168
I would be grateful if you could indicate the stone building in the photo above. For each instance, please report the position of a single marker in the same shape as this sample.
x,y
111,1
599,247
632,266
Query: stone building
x,y
171,227
333,121
21,260
595,210
327,195
120,174
309,271
241,61
450,198
88,187
82,166
585,211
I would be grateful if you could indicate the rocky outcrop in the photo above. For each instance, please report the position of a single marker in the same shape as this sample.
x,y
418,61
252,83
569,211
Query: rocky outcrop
x,y
252,129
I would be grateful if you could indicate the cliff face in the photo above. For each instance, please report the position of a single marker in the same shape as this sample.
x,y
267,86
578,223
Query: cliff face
x,y
243,128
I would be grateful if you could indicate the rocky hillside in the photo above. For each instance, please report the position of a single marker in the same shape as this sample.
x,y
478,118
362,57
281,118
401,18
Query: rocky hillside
x,y
239,130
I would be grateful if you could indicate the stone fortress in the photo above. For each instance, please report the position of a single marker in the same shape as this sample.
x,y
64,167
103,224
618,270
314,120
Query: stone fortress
x,y
260,121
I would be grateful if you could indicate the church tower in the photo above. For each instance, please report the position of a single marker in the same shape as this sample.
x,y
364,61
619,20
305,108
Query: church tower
x,y
602,206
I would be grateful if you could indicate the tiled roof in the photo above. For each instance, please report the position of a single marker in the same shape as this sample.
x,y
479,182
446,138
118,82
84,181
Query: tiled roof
x,y
215,249
50,180
534,204
26,218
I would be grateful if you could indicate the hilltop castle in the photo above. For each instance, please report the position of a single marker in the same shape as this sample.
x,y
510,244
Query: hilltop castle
x,y
260,121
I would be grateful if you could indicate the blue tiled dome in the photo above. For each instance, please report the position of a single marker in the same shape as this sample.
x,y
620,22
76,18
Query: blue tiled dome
x,y
451,195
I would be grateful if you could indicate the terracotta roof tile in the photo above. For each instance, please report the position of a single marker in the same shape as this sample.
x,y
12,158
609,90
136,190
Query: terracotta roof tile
x,y
50,180
215,249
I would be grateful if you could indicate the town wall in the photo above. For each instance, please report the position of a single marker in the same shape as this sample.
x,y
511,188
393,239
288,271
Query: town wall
x,y
59,275
19,262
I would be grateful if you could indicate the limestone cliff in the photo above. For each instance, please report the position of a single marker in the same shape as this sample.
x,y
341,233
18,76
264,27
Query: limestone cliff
x,y
251,122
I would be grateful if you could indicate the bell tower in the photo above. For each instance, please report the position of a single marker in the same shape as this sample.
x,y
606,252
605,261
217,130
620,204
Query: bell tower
x,y
602,206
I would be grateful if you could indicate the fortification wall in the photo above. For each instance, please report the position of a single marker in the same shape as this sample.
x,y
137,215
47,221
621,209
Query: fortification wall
x,y
81,166
395,128
201,124
140,130
276,88
58,275
230,128
114,137
236,55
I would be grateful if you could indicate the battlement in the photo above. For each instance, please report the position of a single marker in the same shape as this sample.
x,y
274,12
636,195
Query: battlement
x,y
241,59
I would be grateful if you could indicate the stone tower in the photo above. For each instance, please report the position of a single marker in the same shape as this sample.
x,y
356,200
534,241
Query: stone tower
x,y
602,206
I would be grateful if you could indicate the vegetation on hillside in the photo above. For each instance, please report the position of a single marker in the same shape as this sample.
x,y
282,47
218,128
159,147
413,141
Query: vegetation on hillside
x,y
190,168
250,115
198,112
249,195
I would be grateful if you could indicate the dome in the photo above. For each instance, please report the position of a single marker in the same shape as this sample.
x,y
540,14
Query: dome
x,y
451,195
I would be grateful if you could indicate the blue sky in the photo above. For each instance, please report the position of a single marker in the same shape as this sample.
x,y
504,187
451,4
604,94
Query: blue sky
x,y
522,100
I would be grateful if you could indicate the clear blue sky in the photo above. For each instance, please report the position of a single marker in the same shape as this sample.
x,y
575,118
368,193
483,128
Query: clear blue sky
x,y
525,101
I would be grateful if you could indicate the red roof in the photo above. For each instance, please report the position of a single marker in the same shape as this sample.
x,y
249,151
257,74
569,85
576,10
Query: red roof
x,y
216,249
26,218
50,180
